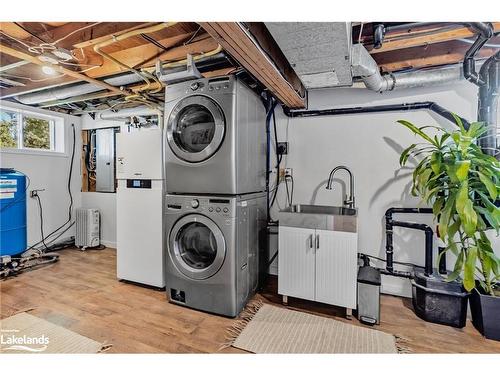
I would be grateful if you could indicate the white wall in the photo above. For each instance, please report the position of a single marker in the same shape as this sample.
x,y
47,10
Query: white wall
x,y
370,145
105,202
50,172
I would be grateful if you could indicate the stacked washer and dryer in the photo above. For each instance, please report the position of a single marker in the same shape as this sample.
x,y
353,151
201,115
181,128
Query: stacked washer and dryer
x,y
215,207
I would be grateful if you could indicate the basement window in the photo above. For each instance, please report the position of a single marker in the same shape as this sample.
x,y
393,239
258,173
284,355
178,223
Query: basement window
x,y
22,131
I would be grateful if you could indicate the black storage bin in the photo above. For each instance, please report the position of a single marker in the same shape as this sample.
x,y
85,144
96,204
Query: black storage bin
x,y
438,301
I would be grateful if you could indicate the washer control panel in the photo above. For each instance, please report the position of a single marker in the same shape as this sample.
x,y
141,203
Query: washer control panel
x,y
210,206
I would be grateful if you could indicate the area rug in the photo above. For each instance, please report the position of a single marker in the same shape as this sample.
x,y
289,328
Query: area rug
x,y
25,333
269,329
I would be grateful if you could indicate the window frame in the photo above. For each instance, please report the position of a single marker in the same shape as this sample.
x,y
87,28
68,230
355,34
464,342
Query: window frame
x,y
57,133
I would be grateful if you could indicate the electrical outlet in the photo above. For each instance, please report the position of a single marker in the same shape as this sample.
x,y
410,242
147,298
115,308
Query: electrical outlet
x,y
282,148
288,172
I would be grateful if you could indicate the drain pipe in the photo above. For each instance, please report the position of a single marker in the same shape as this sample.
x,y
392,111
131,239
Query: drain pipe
x,y
431,106
390,224
484,33
488,105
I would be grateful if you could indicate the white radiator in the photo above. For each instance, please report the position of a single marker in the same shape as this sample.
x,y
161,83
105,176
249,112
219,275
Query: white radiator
x,y
87,227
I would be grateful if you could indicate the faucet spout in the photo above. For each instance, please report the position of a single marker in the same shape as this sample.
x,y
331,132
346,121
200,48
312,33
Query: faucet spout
x,y
349,201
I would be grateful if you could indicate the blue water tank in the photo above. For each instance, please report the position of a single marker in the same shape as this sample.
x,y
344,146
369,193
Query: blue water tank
x,y
12,212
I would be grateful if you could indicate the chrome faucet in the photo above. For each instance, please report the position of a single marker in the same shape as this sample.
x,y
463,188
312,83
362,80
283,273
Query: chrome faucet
x,y
349,200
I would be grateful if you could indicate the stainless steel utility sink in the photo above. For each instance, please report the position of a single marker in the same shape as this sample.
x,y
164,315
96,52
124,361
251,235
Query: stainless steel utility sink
x,y
342,219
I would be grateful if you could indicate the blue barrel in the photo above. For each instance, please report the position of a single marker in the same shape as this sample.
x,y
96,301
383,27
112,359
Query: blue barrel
x,y
13,239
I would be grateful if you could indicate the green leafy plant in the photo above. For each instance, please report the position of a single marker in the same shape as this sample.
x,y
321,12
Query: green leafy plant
x,y
462,184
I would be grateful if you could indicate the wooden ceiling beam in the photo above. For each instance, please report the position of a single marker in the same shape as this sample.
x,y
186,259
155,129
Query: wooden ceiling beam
x,y
242,48
101,30
401,41
445,53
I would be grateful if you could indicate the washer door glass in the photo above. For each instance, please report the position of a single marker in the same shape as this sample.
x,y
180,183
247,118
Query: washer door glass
x,y
195,128
197,246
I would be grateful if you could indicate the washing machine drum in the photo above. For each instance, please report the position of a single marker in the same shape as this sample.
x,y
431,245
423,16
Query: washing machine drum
x,y
195,128
197,247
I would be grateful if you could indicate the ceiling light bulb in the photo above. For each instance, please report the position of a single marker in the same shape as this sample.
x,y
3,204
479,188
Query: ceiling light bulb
x,y
48,70
62,54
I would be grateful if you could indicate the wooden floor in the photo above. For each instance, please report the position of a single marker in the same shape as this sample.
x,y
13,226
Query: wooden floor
x,y
81,293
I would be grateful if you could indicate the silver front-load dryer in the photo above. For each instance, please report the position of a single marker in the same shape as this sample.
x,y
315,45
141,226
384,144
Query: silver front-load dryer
x,y
213,245
215,138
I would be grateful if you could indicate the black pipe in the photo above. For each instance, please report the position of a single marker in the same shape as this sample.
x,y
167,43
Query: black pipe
x,y
484,33
390,224
442,260
378,35
432,106
488,104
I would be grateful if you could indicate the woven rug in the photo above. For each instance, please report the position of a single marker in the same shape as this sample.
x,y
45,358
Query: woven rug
x,y
268,329
25,333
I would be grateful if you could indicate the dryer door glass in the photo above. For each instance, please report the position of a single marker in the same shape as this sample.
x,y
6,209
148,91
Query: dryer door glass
x,y
196,246
195,128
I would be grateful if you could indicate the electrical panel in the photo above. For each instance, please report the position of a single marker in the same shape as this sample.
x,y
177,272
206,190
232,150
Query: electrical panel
x,y
105,160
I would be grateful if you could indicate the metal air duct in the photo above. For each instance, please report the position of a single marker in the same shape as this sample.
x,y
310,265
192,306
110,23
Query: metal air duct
x,y
364,66
59,93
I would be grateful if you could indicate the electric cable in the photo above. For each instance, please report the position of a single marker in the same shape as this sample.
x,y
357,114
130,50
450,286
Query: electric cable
x,y
70,209
40,210
396,262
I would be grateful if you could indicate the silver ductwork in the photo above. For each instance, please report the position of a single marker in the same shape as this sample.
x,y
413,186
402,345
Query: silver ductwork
x,y
364,66
142,110
59,93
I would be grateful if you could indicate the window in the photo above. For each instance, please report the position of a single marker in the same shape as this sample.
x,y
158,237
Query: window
x,y
31,132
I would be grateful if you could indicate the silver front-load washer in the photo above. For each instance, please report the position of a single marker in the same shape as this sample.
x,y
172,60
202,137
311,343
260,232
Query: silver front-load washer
x,y
213,245
215,138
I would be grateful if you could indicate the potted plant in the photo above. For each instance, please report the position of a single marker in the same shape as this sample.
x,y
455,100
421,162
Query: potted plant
x,y
463,185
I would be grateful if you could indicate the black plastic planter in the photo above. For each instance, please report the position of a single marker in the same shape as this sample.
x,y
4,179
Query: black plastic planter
x,y
485,310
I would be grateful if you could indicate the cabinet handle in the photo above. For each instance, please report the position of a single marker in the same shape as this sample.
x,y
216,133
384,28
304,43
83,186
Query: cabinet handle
x,y
317,241
311,241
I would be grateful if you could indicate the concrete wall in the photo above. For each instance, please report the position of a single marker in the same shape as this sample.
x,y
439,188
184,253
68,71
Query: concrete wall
x,y
50,172
370,145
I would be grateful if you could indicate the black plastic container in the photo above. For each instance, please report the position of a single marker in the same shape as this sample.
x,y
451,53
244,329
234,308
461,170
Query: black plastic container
x,y
438,301
485,311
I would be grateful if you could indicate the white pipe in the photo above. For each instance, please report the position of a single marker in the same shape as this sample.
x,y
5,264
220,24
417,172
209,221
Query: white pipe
x,y
142,110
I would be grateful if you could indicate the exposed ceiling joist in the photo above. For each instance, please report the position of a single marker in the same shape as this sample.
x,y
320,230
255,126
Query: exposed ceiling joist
x,y
140,56
444,53
79,76
236,41
393,41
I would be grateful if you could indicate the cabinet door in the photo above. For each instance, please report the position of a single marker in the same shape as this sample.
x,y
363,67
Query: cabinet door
x,y
296,262
336,268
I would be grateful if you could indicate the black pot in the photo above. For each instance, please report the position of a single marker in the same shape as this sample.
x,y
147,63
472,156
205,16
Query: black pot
x,y
485,310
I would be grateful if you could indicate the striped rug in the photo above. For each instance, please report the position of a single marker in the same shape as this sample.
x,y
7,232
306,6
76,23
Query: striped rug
x,y
278,330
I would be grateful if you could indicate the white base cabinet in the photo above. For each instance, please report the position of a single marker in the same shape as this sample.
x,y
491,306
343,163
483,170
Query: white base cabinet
x,y
318,265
